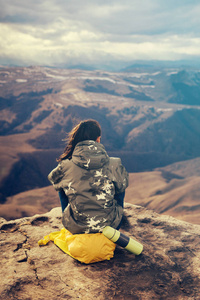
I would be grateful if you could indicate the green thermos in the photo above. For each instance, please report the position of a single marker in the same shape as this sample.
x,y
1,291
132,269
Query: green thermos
x,y
122,240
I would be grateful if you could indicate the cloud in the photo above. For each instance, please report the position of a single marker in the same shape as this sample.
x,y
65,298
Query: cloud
x,y
72,32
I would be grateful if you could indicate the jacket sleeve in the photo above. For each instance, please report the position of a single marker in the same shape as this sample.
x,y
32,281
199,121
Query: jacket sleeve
x,y
120,176
55,177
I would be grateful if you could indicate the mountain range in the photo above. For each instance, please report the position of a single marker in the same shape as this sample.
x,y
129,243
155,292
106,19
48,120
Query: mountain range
x,y
150,118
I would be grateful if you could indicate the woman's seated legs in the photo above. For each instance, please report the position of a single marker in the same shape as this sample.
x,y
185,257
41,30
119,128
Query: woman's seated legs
x,y
120,198
63,199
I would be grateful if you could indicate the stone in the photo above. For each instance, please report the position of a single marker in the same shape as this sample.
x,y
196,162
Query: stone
x,y
168,268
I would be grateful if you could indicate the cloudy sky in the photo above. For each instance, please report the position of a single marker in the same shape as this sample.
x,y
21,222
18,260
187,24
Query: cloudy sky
x,y
72,32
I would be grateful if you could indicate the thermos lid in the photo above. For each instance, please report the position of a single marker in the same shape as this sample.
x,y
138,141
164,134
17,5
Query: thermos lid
x,y
109,232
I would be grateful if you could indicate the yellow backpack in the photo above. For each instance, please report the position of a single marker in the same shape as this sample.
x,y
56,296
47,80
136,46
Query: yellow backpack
x,y
87,248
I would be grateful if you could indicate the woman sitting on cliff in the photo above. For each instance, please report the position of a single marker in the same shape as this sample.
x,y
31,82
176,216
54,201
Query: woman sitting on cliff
x,y
91,184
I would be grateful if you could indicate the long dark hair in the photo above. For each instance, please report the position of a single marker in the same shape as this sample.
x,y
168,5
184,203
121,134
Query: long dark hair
x,y
85,130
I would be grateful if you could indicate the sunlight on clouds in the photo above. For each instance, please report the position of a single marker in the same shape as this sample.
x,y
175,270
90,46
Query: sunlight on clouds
x,y
186,45
82,36
44,46
56,31
161,48
23,46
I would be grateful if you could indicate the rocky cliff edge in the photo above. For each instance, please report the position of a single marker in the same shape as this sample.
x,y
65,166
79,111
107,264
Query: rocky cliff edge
x,y
168,268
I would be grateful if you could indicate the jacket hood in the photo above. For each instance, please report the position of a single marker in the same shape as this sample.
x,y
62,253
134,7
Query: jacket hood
x,y
90,155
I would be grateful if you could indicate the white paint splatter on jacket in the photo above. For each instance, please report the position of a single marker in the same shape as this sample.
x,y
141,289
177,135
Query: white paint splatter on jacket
x,y
90,180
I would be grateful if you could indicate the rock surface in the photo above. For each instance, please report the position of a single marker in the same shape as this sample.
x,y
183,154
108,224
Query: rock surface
x,y
168,268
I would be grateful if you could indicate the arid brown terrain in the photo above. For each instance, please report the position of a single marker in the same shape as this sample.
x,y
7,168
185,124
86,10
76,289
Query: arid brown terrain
x,y
150,118
168,267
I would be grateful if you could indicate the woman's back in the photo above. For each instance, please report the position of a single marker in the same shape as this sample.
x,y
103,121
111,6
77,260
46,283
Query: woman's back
x,y
91,185
90,180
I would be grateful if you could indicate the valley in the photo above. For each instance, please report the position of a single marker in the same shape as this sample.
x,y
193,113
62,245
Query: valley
x,y
150,118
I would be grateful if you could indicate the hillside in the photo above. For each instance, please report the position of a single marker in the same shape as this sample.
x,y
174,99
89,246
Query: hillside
x,y
168,267
172,190
150,118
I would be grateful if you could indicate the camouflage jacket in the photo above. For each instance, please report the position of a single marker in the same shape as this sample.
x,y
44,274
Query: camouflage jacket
x,y
90,180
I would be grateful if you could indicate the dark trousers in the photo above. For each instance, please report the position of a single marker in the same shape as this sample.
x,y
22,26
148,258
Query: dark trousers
x,y
63,199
